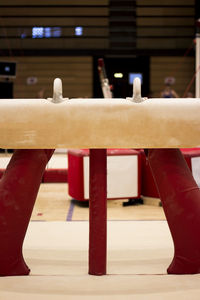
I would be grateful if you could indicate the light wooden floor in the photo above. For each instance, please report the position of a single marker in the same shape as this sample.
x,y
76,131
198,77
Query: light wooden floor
x,y
54,204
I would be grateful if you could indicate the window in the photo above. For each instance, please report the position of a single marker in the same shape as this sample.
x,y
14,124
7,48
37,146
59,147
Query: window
x,y
45,32
132,76
37,32
79,30
55,31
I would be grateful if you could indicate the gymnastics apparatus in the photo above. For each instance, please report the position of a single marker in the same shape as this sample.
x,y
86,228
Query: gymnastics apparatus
x,y
34,127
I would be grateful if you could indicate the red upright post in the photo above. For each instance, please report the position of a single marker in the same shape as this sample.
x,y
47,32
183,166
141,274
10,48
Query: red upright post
x,y
98,212
18,190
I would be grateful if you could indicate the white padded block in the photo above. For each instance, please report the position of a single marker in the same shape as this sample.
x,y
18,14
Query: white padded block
x,y
195,162
122,176
58,161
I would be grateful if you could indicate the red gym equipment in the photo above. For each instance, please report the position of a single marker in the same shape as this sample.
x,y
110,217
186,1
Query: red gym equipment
x,y
18,191
180,197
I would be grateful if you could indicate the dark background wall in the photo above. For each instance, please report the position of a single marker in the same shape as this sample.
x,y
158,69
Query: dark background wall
x,y
121,86
153,37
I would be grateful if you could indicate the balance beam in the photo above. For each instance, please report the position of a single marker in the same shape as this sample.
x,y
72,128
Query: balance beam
x,y
99,123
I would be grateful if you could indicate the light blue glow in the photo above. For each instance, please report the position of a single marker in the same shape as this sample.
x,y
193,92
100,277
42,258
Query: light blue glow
x,y
79,30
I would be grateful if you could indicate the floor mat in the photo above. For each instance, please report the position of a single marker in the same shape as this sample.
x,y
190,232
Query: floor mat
x,y
138,255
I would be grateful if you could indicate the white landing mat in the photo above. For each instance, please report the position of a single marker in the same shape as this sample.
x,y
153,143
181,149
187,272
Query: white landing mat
x,y
138,255
57,161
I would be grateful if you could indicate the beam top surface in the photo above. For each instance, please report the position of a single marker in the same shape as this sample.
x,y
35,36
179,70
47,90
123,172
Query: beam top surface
x,y
99,123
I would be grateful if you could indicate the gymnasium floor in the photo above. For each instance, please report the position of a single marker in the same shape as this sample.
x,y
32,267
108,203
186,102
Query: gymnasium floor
x,y
56,249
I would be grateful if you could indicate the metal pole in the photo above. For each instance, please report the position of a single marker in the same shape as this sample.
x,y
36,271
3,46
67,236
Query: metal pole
x,y
197,83
98,212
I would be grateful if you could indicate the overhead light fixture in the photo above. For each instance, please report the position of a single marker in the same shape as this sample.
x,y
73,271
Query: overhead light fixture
x,y
118,75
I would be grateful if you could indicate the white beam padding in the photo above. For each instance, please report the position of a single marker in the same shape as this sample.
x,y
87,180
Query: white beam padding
x,y
99,123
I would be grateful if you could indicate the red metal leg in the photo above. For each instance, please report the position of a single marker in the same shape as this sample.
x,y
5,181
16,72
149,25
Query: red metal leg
x,y
18,190
98,212
180,197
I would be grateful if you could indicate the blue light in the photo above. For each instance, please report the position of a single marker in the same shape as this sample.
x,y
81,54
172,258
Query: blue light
x,y
79,30
132,76
7,69
56,32
23,35
37,32
47,32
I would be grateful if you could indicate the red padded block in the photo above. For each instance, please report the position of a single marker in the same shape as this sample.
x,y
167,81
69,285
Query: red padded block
x,y
189,153
76,171
148,186
55,176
